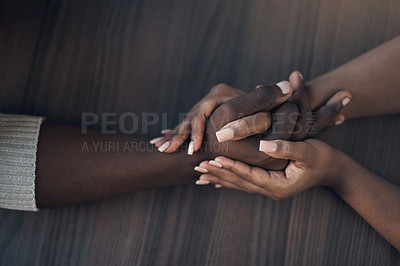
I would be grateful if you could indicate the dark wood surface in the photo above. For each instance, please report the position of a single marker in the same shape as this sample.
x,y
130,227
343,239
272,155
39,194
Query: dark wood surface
x,y
62,58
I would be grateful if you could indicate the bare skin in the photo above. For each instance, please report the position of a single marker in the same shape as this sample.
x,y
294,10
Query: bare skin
x,y
372,80
314,163
66,175
69,173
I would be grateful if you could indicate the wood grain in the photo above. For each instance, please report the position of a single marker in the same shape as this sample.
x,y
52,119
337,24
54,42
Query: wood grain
x,y
62,58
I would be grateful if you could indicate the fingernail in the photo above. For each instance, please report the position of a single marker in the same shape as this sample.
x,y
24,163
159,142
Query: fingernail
x,y
339,122
202,182
345,101
164,146
201,169
268,146
156,140
166,131
301,76
215,163
218,186
284,86
258,86
190,148
224,134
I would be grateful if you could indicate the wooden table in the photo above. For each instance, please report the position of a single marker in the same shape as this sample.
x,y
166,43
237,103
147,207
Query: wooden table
x,y
61,58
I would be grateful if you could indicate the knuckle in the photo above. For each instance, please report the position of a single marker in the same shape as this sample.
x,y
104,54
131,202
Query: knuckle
x,y
205,105
280,195
243,127
241,183
227,110
219,87
261,122
286,148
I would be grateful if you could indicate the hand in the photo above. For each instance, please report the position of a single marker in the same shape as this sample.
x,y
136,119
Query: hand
x,y
195,121
264,98
309,122
307,126
312,163
259,102
312,122
284,126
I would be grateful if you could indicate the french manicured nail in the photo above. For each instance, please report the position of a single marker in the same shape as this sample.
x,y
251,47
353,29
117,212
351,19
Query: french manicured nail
x,y
225,134
166,131
345,101
218,186
190,148
156,140
268,146
284,86
201,169
164,146
215,163
339,122
301,76
202,182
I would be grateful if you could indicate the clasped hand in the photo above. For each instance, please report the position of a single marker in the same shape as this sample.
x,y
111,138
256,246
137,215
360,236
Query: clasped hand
x,y
232,123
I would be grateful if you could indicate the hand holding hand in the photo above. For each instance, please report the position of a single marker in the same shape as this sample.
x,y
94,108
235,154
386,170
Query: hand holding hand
x,y
195,121
312,163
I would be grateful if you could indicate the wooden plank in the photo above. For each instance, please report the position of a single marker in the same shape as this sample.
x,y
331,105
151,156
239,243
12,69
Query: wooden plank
x,y
20,31
157,56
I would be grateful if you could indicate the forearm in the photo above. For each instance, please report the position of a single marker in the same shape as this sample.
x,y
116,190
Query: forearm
x,y
73,167
373,79
374,198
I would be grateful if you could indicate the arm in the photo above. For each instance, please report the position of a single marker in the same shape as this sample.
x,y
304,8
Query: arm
x,y
68,172
373,79
374,198
73,167
314,163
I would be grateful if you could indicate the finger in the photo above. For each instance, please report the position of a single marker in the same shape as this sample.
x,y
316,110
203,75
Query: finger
x,y
301,99
199,123
326,113
160,140
218,95
255,175
283,122
206,179
233,181
172,142
239,174
256,180
337,120
167,131
297,151
156,140
296,80
244,127
261,99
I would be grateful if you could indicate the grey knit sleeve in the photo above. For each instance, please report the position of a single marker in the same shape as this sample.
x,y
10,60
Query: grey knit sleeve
x,y
18,142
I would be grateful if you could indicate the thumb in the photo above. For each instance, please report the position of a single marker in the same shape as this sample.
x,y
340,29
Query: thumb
x,y
283,149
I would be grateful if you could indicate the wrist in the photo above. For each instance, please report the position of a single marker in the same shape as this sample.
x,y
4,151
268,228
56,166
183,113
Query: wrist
x,y
345,173
321,89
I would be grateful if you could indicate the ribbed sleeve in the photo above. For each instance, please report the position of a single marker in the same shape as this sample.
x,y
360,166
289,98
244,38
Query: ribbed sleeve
x,y
18,142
